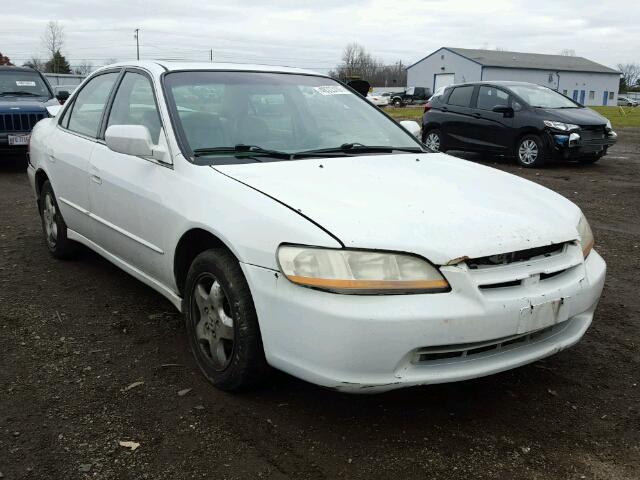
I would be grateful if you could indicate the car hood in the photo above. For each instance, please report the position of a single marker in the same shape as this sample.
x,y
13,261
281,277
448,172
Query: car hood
x,y
434,205
577,116
22,104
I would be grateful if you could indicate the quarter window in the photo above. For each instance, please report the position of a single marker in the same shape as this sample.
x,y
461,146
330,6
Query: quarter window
x,y
490,97
134,104
88,106
461,96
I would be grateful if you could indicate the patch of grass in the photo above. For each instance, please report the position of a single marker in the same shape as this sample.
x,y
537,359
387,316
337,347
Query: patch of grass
x,y
406,113
621,116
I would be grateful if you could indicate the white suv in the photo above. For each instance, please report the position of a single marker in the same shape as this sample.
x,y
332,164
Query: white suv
x,y
298,226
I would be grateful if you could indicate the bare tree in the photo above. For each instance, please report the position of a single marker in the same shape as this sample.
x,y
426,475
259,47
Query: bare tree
x,y
53,37
83,68
35,62
568,52
630,74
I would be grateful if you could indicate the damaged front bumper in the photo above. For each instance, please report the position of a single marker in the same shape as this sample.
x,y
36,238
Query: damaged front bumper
x,y
365,344
580,143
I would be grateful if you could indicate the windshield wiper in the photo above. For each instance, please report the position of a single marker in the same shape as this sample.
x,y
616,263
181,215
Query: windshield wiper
x,y
21,92
356,148
251,150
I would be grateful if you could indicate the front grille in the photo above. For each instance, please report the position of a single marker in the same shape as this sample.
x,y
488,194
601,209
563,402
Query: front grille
x,y
518,256
466,351
19,122
592,132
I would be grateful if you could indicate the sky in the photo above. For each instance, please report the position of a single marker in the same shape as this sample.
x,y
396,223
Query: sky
x,y
312,34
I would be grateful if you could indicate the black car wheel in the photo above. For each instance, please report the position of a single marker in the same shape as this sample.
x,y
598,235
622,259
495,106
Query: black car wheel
x,y
531,151
53,225
433,140
397,102
222,324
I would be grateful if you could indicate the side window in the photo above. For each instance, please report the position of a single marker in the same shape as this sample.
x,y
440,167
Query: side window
x,y
88,106
489,97
461,96
134,104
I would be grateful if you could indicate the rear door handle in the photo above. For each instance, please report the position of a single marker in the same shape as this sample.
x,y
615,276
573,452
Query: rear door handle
x,y
96,179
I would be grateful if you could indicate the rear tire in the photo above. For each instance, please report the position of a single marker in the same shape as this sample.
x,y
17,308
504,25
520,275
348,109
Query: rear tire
x,y
433,140
531,152
53,225
221,322
397,103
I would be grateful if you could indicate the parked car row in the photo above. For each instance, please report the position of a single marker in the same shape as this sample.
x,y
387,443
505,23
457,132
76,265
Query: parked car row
x,y
532,123
299,227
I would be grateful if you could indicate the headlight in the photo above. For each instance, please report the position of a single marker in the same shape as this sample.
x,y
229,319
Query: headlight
x,y
609,127
565,127
359,271
586,236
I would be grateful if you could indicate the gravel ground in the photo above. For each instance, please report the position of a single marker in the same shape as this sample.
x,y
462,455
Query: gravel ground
x,y
76,336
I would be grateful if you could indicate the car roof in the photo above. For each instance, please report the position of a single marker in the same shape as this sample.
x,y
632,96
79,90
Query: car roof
x,y
17,69
503,83
160,66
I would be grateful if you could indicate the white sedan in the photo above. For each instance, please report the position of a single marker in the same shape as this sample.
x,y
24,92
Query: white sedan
x,y
298,227
379,99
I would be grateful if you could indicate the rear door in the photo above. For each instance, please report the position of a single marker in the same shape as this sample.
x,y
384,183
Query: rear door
x,y
458,121
69,150
492,131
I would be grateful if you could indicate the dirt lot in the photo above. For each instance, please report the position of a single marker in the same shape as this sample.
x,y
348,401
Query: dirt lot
x,y
74,335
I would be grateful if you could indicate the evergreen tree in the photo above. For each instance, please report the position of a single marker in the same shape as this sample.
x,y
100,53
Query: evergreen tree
x,y
57,64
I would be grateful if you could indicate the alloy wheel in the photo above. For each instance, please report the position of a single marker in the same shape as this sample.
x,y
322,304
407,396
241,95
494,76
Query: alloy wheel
x,y
432,142
50,221
215,331
528,152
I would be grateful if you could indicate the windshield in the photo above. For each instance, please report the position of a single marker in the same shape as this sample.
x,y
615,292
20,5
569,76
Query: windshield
x,y
543,97
280,112
16,82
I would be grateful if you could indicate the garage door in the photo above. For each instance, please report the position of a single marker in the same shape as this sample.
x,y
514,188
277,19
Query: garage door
x,y
443,80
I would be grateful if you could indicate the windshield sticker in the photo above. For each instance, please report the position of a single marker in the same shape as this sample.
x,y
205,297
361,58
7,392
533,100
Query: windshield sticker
x,y
25,83
332,90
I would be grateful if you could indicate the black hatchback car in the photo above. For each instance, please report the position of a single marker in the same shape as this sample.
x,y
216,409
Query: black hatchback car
x,y
530,122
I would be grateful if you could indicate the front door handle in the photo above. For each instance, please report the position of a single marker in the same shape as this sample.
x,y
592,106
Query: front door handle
x,y
477,115
96,179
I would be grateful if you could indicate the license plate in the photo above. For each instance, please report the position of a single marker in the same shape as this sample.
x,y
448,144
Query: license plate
x,y
19,139
536,317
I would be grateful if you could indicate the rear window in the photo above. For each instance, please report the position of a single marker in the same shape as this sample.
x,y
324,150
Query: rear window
x,y
461,96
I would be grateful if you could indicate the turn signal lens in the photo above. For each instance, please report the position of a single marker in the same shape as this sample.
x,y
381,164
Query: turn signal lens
x,y
359,271
586,236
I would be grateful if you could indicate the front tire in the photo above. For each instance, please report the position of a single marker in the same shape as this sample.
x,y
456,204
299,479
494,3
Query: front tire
x,y
53,225
531,152
221,322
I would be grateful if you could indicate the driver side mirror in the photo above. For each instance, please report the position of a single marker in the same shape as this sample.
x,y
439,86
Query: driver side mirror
x,y
504,110
129,140
412,127
62,96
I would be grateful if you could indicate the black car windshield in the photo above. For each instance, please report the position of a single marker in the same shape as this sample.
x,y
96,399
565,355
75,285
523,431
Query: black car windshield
x,y
22,83
288,113
543,97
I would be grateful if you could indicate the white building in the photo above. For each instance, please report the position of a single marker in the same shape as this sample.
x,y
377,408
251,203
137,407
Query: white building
x,y
583,80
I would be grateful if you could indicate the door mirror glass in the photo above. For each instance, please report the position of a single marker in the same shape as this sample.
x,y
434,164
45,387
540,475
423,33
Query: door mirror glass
x,y
130,140
412,127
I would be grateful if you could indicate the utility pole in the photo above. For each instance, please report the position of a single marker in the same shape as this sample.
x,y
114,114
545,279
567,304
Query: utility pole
x,y
137,44
211,55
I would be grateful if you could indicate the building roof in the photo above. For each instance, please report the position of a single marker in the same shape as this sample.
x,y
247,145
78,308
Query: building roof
x,y
538,61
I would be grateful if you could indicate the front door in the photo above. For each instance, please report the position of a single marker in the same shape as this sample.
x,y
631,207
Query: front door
x,y
605,98
129,196
492,130
575,95
582,93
